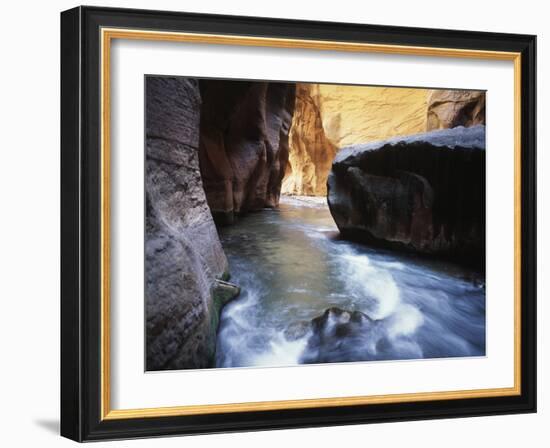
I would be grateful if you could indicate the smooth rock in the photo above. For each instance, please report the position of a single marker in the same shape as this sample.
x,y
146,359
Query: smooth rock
x,y
244,130
423,193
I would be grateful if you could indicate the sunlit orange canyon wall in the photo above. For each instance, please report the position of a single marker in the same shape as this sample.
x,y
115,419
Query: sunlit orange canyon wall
x,y
330,117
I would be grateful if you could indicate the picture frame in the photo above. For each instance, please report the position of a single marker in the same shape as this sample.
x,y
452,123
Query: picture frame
x,y
86,37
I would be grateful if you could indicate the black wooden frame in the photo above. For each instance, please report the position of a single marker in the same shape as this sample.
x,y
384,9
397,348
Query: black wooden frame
x,y
80,223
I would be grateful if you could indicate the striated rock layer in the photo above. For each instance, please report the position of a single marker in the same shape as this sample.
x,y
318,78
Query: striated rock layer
x,y
424,193
183,255
244,129
451,108
328,117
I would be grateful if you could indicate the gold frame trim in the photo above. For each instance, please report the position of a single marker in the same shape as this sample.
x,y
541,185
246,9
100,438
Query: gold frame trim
x,y
107,35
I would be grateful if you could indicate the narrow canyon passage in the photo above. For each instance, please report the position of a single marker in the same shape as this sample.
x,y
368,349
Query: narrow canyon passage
x,y
241,271
292,268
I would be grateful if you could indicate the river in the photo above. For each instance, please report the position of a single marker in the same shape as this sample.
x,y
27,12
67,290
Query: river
x,y
292,266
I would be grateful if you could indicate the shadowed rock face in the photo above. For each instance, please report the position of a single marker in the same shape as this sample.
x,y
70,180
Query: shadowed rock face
x,y
424,193
451,108
183,254
244,130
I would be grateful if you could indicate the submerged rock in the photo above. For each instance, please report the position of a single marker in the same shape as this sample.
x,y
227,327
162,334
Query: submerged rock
x,y
183,254
339,336
244,130
224,292
424,193
297,330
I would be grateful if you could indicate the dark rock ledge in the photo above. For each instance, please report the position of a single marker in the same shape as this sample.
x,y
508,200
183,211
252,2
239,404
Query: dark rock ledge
x,y
423,193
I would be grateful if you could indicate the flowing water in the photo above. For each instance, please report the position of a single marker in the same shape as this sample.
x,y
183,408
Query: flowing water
x,y
291,267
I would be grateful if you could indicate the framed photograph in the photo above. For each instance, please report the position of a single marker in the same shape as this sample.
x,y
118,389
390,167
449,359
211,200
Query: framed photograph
x,y
275,224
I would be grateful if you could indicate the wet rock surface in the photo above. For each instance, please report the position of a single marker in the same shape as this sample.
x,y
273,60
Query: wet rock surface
x,y
338,336
423,193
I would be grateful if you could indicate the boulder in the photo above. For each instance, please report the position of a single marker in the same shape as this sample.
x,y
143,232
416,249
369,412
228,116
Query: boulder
x,y
243,153
341,336
184,259
451,108
423,193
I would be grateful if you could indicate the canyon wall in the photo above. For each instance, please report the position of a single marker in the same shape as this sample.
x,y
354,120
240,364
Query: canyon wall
x,y
244,129
360,114
311,152
451,108
184,261
423,193
329,117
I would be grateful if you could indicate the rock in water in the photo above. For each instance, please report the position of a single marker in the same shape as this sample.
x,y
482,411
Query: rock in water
x,y
424,193
451,108
341,336
243,144
183,254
